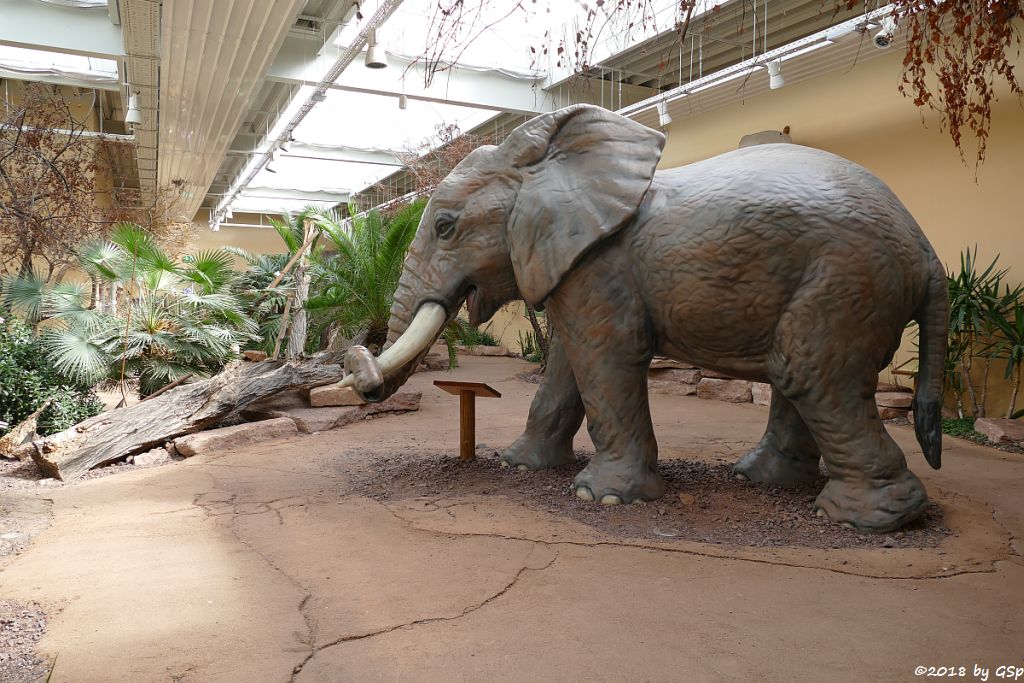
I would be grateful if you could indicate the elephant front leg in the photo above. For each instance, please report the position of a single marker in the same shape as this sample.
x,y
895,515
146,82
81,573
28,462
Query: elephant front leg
x,y
625,466
555,416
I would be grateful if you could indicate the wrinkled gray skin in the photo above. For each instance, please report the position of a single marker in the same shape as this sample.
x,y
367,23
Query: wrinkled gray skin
x,y
773,263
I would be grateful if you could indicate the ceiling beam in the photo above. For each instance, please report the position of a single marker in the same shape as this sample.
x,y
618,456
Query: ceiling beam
x,y
45,26
301,62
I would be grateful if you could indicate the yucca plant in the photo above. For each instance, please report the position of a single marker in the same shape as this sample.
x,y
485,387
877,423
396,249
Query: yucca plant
x,y
1011,347
173,318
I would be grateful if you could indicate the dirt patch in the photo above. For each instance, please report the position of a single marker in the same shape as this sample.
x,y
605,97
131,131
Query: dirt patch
x,y
21,627
530,377
15,474
22,518
703,502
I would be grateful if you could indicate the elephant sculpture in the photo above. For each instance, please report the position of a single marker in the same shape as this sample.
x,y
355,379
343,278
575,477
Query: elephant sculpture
x,y
773,263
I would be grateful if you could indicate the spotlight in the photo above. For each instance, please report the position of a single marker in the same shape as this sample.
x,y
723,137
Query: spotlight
x,y
883,38
775,78
134,115
375,58
664,119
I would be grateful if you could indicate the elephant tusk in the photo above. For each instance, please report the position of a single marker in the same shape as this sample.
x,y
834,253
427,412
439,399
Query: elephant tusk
x,y
422,332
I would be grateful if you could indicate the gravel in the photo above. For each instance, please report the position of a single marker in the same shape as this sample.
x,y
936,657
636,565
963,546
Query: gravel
x,y
21,627
703,502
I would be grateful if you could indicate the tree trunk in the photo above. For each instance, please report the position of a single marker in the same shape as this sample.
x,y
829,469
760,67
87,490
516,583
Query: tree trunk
x,y
1016,390
966,363
538,332
186,409
297,340
984,387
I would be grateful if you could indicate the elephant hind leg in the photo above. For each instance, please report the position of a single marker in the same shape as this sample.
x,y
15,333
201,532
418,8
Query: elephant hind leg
x,y
832,386
787,454
555,416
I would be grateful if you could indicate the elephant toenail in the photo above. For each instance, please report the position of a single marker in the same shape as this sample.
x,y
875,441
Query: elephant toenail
x,y
504,464
522,467
848,525
819,512
611,499
584,493
742,477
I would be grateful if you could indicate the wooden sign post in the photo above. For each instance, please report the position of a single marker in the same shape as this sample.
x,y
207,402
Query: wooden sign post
x,y
467,393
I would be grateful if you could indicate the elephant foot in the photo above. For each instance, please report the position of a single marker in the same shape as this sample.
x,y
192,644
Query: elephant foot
x,y
873,505
766,465
616,482
530,454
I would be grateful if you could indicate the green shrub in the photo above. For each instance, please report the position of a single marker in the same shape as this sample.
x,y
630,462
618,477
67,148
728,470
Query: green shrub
x,y
962,427
27,380
470,336
531,349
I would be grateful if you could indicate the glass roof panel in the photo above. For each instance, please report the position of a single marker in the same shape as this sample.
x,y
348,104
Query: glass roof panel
x,y
318,175
349,119
42,62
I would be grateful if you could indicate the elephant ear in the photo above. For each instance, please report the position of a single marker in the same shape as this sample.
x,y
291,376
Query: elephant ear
x,y
585,171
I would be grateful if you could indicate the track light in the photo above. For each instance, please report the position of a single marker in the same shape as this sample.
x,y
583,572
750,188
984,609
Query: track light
x,y
134,115
663,116
775,78
883,38
375,58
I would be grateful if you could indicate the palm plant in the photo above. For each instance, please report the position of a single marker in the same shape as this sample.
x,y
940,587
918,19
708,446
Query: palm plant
x,y
355,286
265,304
176,318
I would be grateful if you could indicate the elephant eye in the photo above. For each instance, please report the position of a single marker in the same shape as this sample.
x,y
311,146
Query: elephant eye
x,y
444,226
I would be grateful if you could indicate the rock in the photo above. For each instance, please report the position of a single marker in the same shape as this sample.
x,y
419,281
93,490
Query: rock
x,y
761,393
232,437
681,375
713,374
662,363
687,499
885,387
434,361
673,381
157,455
254,356
333,395
311,420
997,429
730,390
889,542
889,413
281,401
894,399
484,350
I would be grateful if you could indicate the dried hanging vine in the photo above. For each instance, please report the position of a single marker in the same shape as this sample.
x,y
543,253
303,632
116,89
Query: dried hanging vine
x,y
958,51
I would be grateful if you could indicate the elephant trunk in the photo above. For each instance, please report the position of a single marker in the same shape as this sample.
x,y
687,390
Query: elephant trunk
x,y
411,333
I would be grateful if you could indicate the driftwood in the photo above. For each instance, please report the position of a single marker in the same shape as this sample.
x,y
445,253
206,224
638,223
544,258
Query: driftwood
x,y
186,409
11,443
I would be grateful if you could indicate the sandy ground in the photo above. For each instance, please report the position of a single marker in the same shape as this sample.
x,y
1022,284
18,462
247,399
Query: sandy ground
x,y
324,558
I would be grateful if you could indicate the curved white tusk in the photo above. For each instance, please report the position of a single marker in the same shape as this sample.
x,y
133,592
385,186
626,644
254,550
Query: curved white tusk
x,y
422,332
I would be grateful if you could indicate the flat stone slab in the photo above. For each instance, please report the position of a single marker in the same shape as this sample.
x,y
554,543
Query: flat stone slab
x,y
894,399
232,437
885,387
729,390
997,429
434,361
312,420
333,395
662,363
714,374
484,350
890,413
152,457
680,375
761,393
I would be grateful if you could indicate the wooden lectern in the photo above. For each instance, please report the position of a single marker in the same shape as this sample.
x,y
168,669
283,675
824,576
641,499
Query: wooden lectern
x,y
467,393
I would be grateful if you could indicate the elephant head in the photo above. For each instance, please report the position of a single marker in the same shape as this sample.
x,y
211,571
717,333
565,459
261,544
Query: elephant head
x,y
510,221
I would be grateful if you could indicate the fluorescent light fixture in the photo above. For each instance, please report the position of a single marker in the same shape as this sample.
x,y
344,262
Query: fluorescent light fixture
x,y
730,77
134,115
809,48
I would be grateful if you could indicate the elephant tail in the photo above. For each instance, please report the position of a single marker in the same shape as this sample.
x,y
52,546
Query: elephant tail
x,y
933,320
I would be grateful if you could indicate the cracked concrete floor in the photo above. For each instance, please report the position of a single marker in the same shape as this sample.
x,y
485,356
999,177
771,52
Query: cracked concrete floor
x,y
262,565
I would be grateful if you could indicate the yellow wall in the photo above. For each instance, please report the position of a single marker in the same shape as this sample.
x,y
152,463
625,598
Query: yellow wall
x,y
861,115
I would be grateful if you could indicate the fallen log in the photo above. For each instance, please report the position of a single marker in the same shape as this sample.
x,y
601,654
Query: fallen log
x,y
183,410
